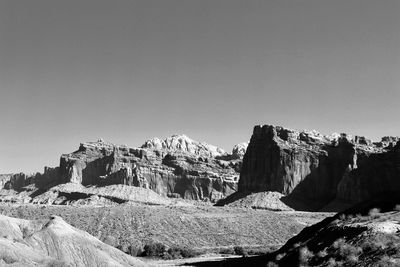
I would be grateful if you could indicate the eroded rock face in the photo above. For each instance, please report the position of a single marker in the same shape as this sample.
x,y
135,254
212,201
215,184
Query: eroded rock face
x,y
17,181
309,165
55,243
174,167
378,173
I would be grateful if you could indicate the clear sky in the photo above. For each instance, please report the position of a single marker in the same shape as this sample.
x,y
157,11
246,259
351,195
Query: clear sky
x,y
126,71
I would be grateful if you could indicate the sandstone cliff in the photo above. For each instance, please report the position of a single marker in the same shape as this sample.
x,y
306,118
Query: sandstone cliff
x,y
175,167
317,168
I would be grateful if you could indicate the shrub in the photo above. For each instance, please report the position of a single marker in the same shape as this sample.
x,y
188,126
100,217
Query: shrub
x,y
385,261
333,263
154,249
111,240
322,253
226,251
279,256
374,212
178,253
188,253
239,250
173,253
135,250
304,255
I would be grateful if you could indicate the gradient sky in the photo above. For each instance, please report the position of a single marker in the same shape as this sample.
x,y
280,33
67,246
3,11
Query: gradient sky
x,y
126,71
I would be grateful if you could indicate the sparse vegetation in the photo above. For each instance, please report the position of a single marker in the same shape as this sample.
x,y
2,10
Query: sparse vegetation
x,y
154,249
179,252
227,251
239,251
304,256
201,228
374,213
369,240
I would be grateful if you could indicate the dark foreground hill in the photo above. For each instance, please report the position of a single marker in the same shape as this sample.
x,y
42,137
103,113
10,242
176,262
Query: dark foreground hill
x,y
368,234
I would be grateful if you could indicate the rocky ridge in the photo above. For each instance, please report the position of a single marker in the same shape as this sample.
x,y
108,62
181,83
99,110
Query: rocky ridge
x,y
177,167
317,168
55,243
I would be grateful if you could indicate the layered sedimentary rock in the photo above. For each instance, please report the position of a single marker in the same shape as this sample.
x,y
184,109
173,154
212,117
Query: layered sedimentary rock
x,y
319,168
55,243
18,181
176,167
378,173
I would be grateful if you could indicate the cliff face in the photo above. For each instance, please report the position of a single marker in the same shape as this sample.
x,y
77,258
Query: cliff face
x,y
311,166
378,173
176,167
18,181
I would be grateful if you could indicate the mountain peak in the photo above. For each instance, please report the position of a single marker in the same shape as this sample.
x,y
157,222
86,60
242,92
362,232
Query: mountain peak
x,y
181,142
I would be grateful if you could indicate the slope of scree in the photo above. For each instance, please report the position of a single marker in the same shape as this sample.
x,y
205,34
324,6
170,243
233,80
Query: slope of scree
x,y
55,243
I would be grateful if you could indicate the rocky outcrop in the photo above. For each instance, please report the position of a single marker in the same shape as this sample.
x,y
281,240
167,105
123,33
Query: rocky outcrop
x,y
317,168
378,173
15,181
176,167
18,181
55,243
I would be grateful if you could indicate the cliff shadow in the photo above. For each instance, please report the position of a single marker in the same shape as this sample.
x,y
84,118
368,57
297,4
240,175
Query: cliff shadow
x,y
94,170
319,187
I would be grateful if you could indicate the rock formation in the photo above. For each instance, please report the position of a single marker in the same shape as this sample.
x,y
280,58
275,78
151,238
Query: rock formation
x,y
175,167
317,168
55,243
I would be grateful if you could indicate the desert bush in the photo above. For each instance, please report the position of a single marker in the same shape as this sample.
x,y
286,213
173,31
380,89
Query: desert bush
x,y
155,249
385,261
135,250
350,252
239,250
259,251
227,251
111,240
373,213
173,253
334,263
322,254
179,253
304,256
279,256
